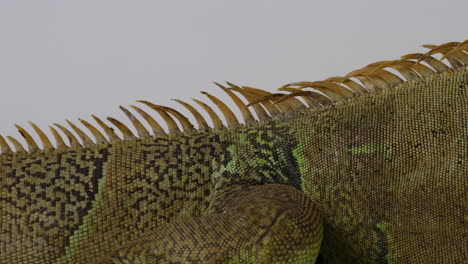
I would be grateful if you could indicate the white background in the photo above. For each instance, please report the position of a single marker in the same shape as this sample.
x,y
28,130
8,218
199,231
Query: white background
x,y
69,59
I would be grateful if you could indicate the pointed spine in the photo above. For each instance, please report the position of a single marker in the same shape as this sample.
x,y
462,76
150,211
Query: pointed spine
x,y
141,130
32,146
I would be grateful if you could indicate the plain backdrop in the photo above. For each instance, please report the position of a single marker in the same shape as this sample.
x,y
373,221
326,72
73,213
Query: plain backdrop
x,y
70,59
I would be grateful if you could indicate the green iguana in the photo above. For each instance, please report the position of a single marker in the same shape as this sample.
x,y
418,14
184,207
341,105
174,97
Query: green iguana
x,y
367,168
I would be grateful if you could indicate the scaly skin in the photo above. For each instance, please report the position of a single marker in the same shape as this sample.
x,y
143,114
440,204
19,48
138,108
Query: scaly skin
x,y
386,171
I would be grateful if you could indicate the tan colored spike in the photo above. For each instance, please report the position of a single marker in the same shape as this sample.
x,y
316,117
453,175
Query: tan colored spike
x,y
32,146
336,88
261,113
186,124
109,131
311,102
456,55
375,77
407,72
228,114
368,83
217,123
18,147
352,85
4,147
155,126
358,72
84,138
381,83
328,88
429,46
202,124
58,139
421,69
171,124
272,109
313,99
459,53
443,49
126,132
289,104
431,61
371,77
434,49
141,130
279,100
46,144
74,143
388,77
246,114
100,139
284,97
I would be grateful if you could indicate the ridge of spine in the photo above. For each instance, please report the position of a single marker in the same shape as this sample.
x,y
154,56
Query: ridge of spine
x,y
373,77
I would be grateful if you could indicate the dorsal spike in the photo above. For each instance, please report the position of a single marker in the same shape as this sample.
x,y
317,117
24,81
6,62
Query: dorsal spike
x,y
311,103
325,87
455,57
366,76
313,99
100,138
202,124
74,143
390,78
398,65
4,147
246,114
261,113
443,49
421,69
228,114
352,85
46,144
431,61
279,100
171,124
367,82
359,72
217,123
272,109
18,147
328,88
60,143
155,126
141,130
32,146
458,53
463,46
434,49
289,104
126,132
374,78
109,131
84,138
186,124
407,72
378,81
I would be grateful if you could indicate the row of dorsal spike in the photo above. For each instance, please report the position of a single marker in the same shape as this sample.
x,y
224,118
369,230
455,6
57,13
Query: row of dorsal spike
x,y
373,77
175,121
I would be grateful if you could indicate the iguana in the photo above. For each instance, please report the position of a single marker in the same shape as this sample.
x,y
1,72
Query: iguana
x,y
367,168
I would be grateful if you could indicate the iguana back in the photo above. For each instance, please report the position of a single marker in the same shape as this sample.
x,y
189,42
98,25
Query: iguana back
x,y
375,162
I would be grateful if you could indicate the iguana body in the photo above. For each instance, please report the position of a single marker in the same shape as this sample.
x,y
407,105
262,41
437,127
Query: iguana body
x,y
382,163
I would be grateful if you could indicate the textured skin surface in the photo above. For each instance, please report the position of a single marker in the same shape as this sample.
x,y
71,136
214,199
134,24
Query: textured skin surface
x,y
387,171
